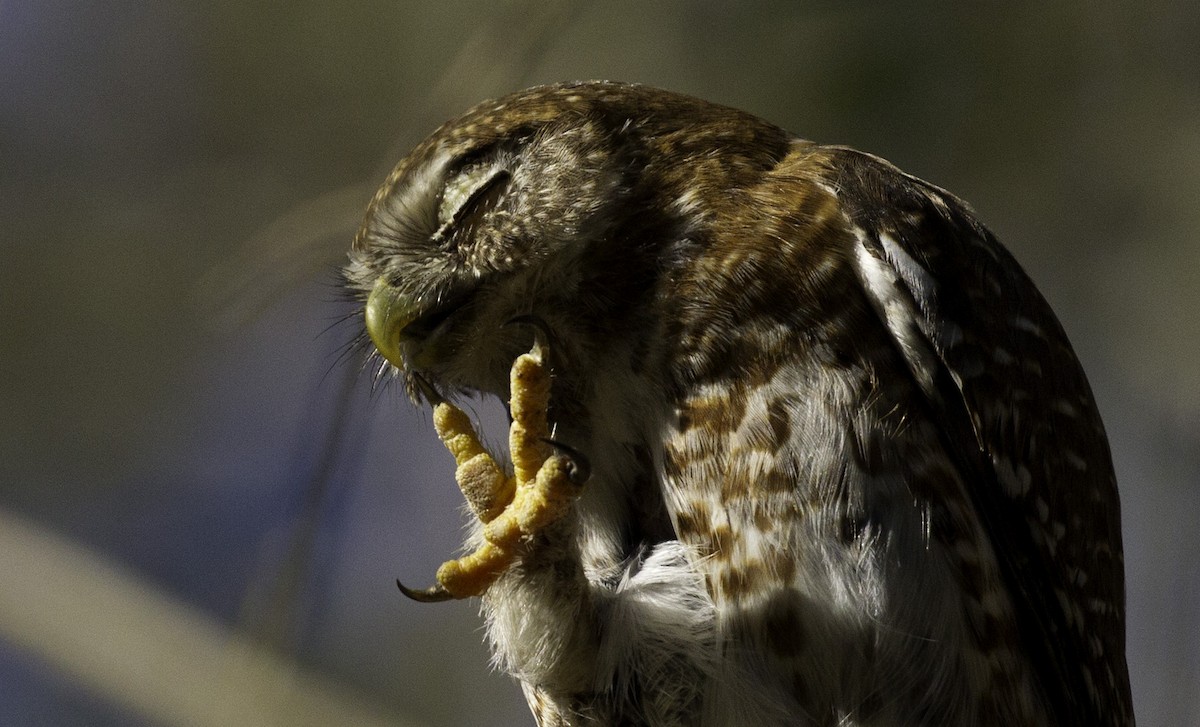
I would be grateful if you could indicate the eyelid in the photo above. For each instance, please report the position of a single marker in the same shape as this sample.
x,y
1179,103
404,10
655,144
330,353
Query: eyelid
x,y
460,188
486,192
471,184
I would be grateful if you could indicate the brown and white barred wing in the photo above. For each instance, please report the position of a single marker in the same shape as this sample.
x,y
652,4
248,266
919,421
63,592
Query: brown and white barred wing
x,y
1018,417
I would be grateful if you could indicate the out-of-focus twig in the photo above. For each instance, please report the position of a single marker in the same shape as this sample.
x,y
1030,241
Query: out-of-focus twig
x,y
151,653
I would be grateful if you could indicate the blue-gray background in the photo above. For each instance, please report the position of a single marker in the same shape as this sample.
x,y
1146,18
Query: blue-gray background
x,y
178,181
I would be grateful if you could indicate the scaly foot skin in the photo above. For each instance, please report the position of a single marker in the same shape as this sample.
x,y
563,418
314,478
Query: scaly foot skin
x,y
546,480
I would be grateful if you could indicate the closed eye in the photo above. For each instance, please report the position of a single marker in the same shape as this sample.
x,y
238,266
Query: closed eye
x,y
482,198
468,197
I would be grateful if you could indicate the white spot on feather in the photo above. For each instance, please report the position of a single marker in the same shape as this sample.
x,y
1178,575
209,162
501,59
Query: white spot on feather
x,y
1064,407
1028,325
1014,480
1074,460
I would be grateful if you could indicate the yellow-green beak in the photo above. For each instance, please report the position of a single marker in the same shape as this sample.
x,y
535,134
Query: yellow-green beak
x,y
386,314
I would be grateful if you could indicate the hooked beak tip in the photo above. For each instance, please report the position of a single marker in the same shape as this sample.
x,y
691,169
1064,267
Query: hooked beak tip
x,y
385,316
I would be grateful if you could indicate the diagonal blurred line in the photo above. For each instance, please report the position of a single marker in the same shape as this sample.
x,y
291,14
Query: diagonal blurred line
x,y
275,609
499,56
309,239
139,647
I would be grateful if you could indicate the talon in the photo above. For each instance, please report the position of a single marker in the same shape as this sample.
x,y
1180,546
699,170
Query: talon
x,y
579,469
433,594
431,394
542,337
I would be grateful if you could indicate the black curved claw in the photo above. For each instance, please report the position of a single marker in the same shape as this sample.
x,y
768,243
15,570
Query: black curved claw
x,y
433,594
543,338
431,394
579,469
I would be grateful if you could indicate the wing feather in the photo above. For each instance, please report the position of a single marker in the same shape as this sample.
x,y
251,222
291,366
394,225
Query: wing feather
x,y
1019,418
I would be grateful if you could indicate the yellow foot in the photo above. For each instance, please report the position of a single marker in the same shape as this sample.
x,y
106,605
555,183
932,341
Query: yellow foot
x,y
546,479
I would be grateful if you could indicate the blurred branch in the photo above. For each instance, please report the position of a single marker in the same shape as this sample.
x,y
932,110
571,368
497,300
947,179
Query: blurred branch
x,y
139,647
498,57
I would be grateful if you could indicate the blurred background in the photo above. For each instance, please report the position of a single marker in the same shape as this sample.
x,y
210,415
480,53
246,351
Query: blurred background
x,y
203,507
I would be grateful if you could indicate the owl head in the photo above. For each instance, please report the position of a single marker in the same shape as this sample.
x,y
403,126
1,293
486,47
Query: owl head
x,y
563,202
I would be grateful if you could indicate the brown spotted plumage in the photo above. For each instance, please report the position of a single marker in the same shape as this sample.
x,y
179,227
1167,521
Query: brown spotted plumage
x,y
845,468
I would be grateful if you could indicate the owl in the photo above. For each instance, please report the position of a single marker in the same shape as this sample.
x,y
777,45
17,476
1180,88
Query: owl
x,y
795,441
